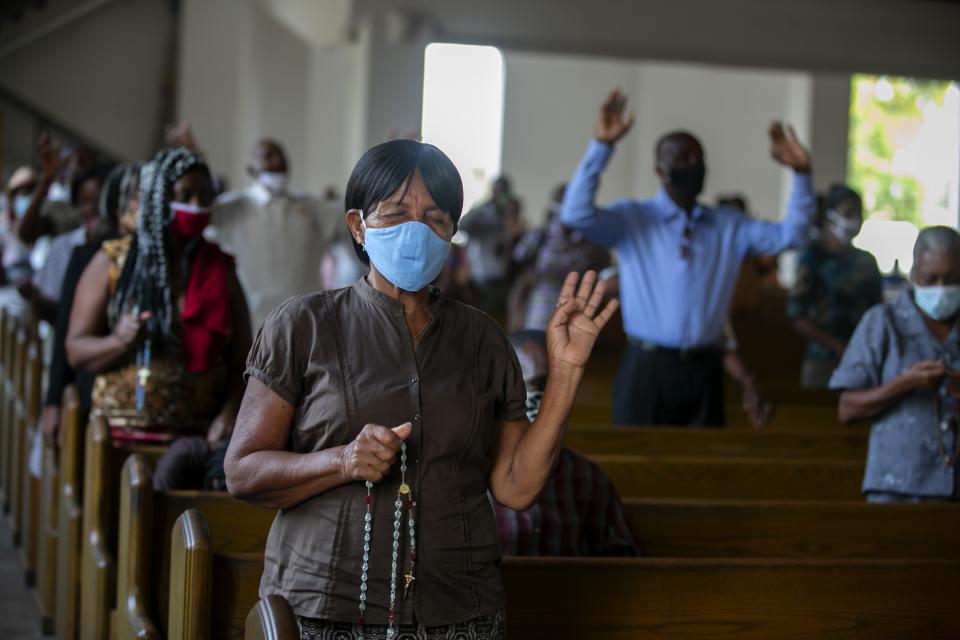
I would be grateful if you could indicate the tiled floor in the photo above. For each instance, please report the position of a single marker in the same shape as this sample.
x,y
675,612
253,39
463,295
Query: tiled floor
x,y
19,619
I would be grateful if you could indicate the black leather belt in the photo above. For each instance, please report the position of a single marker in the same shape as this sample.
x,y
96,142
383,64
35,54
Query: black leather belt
x,y
685,353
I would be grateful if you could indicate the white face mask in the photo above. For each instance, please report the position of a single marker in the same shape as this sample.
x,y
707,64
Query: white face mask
x,y
20,205
843,229
273,181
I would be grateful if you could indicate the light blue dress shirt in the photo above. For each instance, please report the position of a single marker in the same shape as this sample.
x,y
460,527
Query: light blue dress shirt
x,y
669,299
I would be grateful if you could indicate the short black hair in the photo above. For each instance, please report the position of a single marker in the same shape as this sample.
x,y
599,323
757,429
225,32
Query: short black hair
x,y
840,193
386,168
678,135
97,172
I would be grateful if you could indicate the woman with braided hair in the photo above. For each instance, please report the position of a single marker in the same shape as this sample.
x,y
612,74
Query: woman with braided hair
x,y
160,317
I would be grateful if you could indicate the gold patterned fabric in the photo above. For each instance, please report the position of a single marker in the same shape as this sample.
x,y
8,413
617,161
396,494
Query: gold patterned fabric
x,y
177,401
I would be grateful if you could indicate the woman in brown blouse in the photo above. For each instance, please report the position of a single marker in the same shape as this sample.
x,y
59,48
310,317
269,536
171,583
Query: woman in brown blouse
x,y
377,417
161,318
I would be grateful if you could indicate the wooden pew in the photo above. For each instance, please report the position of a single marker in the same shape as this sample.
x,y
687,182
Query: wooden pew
x,y
6,368
102,464
732,478
271,619
788,417
147,519
620,599
748,529
69,530
680,441
16,456
48,539
195,565
28,409
610,599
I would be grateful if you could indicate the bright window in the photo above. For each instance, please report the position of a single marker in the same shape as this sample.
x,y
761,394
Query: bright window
x,y
463,111
904,159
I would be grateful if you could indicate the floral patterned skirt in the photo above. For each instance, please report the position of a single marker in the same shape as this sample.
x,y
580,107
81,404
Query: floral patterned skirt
x,y
490,627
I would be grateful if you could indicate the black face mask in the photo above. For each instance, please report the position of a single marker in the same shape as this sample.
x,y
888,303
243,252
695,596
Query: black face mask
x,y
688,180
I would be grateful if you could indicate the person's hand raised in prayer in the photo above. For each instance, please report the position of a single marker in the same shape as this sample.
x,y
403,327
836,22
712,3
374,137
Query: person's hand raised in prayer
x,y
180,134
50,160
578,320
787,149
612,120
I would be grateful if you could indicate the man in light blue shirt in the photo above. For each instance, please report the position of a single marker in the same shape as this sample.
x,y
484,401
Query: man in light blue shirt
x,y
679,261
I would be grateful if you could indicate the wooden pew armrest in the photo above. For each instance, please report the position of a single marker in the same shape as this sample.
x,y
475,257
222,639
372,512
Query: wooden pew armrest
x,y
271,619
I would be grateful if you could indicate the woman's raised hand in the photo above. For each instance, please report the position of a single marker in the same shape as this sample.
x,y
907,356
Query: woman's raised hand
x,y
575,325
373,452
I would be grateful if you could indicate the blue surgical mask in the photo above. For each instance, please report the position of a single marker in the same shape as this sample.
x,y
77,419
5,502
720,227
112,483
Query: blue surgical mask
x,y
940,303
20,205
410,255
534,398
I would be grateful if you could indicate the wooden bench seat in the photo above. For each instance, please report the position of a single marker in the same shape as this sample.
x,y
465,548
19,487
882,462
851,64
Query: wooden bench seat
x,y
732,478
750,529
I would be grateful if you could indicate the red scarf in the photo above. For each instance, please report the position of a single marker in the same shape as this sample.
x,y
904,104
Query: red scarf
x,y
205,324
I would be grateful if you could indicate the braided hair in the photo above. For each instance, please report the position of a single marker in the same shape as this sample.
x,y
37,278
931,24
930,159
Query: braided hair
x,y
144,284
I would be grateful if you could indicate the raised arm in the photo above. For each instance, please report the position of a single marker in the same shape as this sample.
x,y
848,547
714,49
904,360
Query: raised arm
x,y
771,238
34,224
579,209
525,453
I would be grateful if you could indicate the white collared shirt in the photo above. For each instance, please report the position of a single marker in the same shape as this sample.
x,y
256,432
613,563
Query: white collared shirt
x,y
278,241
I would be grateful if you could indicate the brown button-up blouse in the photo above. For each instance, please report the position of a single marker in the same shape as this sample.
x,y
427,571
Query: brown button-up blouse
x,y
344,359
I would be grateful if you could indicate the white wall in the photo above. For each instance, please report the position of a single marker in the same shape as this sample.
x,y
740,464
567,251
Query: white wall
x,y
263,81
101,74
550,106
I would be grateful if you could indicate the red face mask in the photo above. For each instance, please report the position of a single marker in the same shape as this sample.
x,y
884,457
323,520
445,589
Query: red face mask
x,y
188,221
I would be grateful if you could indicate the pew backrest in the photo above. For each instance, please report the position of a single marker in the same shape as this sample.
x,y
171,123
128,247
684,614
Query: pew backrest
x,y
150,527
133,619
616,599
731,443
70,534
690,477
758,529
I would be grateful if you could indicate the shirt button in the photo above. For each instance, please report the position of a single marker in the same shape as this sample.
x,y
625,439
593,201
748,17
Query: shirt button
x,y
413,381
416,417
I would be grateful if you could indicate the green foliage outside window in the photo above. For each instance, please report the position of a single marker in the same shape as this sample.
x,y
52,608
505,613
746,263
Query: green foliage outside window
x,y
885,115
